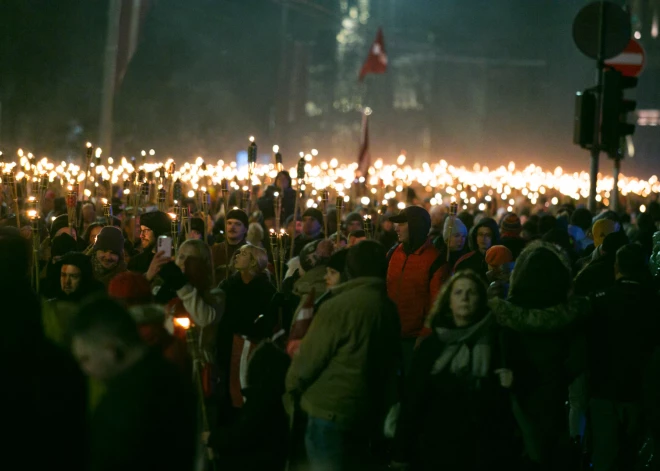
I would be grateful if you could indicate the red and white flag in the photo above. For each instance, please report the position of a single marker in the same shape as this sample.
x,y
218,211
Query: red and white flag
x,y
364,158
376,62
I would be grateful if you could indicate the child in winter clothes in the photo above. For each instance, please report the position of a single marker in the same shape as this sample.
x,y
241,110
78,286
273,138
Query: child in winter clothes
x,y
500,264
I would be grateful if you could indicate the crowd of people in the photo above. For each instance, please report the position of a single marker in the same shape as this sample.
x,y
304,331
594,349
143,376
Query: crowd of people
x,y
413,339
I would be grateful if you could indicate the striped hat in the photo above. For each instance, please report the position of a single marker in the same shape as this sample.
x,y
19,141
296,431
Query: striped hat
x,y
510,225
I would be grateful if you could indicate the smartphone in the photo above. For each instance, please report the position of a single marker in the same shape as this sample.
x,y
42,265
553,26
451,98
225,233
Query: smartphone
x,y
165,245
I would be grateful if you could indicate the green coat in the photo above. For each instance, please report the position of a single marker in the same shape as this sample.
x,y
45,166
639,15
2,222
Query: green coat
x,y
346,369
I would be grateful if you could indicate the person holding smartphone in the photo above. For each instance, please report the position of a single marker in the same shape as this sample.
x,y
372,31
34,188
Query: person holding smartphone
x,y
152,226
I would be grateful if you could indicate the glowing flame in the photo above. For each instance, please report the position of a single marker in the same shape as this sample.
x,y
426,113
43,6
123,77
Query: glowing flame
x,y
182,322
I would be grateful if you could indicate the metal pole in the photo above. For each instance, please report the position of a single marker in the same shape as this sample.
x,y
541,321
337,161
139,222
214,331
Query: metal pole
x,y
614,196
595,150
109,75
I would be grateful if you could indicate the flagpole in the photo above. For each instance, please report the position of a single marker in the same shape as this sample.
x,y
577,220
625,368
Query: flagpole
x,y
109,75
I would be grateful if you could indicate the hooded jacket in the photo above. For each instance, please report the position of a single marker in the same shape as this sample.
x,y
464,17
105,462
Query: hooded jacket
x,y
543,344
414,277
346,368
475,260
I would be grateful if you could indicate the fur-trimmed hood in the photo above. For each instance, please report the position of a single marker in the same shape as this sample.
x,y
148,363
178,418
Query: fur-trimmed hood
x,y
540,320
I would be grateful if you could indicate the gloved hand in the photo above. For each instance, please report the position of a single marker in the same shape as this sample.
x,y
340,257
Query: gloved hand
x,y
173,276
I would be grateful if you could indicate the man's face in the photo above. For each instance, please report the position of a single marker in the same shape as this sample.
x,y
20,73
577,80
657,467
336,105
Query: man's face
x,y
282,182
352,240
236,230
147,237
402,231
97,359
311,226
107,259
69,278
353,226
387,225
67,230
89,213
484,239
93,234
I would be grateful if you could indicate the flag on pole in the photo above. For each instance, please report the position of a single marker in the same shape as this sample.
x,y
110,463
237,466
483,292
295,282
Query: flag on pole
x,y
131,18
376,62
364,158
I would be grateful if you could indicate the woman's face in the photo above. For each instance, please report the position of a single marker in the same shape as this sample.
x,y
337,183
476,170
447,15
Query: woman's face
x,y
242,259
184,253
332,277
464,301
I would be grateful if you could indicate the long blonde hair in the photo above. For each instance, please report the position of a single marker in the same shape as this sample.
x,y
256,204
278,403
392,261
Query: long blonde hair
x,y
205,254
259,258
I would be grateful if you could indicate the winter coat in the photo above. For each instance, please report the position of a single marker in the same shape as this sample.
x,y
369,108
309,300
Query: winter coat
x,y
413,283
259,439
141,262
622,335
652,397
148,405
515,244
44,395
314,279
545,349
223,254
475,261
244,304
454,420
346,368
598,275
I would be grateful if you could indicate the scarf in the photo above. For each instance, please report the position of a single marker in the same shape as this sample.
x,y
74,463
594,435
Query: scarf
x,y
467,350
103,275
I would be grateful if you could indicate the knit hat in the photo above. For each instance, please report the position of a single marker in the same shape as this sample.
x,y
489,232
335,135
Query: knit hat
x,y
62,244
353,217
311,256
338,260
197,224
239,215
60,222
601,229
130,289
157,221
315,213
458,228
110,239
510,225
498,255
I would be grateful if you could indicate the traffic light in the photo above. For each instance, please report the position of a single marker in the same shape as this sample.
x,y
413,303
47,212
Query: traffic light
x,y
614,126
584,118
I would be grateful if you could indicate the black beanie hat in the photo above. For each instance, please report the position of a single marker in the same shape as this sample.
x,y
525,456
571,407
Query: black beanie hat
x,y
239,215
315,213
366,258
353,217
62,244
338,260
80,260
110,239
60,222
157,221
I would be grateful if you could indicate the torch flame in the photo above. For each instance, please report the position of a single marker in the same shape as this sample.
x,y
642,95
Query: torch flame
x,y
182,322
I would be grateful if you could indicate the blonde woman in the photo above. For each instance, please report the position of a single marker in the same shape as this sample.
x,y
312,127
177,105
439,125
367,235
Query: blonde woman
x,y
191,277
246,321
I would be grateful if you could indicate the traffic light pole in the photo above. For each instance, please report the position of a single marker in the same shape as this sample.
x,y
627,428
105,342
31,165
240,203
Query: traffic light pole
x,y
595,150
614,195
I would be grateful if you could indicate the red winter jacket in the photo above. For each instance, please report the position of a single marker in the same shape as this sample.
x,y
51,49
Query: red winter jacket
x,y
413,283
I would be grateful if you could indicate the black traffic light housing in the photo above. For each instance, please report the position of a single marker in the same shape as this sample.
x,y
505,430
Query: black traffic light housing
x,y
585,117
614,126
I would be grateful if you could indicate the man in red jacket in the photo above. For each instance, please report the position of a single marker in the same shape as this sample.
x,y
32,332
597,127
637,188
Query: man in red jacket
x,y
414,277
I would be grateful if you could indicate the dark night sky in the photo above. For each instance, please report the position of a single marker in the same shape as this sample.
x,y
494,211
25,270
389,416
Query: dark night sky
x,y
205,76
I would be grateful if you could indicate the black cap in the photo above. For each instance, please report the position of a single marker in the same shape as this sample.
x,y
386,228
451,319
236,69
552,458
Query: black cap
x,y
412,213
